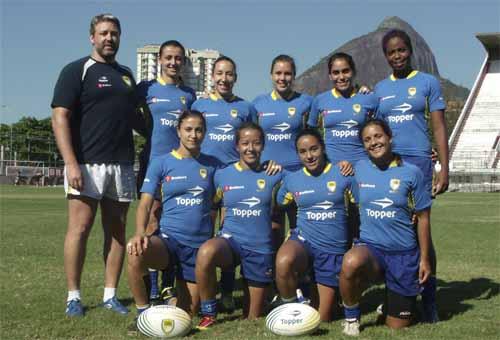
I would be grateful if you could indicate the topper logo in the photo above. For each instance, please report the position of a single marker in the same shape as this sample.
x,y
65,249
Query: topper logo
x,y
403,108
197,190
282,127
349,124
383,203
224,128
251,202
174,113
325,205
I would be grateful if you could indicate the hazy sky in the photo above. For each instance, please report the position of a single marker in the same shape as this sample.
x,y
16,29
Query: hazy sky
x,y
40,37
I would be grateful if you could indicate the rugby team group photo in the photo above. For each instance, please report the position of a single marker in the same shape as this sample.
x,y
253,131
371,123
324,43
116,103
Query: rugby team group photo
x,y
290,213
351,170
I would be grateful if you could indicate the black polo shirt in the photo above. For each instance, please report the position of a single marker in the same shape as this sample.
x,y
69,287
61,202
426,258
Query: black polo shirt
x,y
103,100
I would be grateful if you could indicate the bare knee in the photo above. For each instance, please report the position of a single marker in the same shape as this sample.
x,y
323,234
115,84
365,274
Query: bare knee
x,y
351,266
206,256
284,264
135,262
79,229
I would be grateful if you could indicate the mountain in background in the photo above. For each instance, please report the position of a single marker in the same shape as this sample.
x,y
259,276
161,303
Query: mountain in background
x,y
372,66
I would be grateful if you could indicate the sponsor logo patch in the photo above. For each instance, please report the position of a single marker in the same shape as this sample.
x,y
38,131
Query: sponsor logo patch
x,y
394,184
331,186
127,81
261,184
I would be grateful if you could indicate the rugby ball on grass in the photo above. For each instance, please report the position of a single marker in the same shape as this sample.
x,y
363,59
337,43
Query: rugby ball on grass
x,y
293,319
164,321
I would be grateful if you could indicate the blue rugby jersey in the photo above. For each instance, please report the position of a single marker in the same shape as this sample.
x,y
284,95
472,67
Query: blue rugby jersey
x,y
187,191
223,118
247,197
405,104
165,102
341,118
387,199
322,206
281,121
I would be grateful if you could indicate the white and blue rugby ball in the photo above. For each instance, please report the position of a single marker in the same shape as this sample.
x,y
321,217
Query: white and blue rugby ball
x,y
293,319
164,321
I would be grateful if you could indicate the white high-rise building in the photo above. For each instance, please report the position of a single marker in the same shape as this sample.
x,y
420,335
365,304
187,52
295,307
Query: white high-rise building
x,y
197,71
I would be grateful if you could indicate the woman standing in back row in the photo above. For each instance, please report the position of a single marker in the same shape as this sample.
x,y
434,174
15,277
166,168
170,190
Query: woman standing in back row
x,y
407,99
282,114
163,99
341,111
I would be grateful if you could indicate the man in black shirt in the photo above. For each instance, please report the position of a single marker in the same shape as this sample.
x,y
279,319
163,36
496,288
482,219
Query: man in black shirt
x,y
94,111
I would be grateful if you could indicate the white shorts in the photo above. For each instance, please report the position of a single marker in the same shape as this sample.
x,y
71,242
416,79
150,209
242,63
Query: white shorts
x,y
113,181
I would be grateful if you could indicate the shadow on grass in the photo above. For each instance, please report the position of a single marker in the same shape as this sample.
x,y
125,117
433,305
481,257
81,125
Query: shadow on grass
x,y
451,295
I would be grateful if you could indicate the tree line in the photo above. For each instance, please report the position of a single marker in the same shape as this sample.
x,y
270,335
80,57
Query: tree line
x,y
32,139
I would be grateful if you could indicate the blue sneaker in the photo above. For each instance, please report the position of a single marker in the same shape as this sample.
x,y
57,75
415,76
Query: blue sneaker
x,y
115,305
74,308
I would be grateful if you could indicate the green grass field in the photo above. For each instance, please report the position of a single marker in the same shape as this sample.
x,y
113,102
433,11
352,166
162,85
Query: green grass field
x,y
466,231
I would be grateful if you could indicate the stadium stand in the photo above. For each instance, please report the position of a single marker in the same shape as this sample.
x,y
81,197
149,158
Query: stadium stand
x,y
474,142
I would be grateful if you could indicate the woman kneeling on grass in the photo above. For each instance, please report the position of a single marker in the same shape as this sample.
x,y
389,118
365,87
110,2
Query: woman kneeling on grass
x,y
186,179
388,191
246,194
322,236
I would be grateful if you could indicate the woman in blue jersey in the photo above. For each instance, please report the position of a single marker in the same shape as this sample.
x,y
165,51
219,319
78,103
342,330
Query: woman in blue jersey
x,y
164,99
186,179
316,247
388,191
341,111
224,112
246,194
407,99
282,114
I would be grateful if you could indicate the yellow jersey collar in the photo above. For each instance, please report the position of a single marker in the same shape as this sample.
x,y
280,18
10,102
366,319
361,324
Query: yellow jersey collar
x,y
411,75
396,161
161,81
276,96
177,155
215,97
238,167
337,94
325,170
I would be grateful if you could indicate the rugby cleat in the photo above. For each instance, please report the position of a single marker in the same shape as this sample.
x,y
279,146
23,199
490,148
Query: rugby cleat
x,y
206,322
74,308
350,328
114,305
168,296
